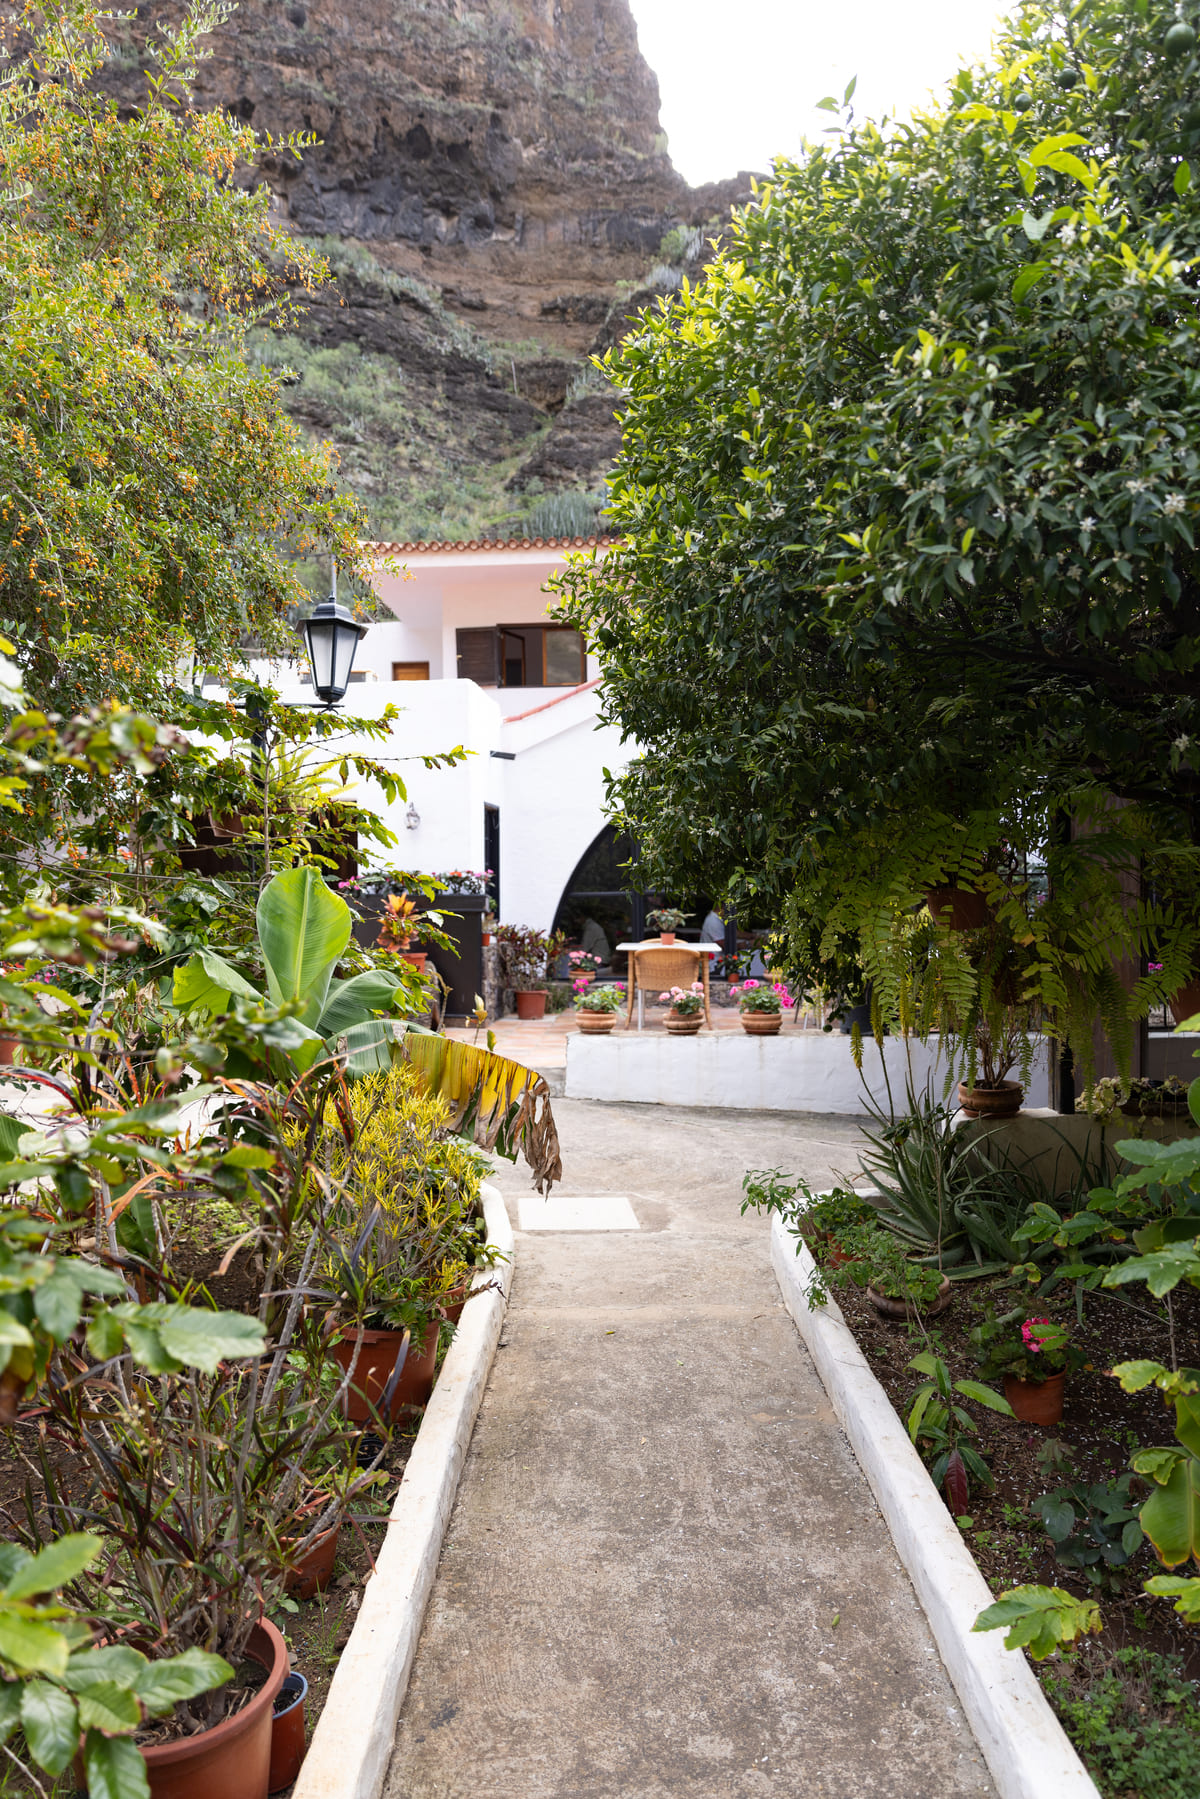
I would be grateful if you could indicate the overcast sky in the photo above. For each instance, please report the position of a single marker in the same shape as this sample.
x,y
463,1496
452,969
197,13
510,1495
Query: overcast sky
x,y
740,78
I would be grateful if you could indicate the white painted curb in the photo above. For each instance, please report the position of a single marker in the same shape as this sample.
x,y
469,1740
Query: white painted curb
x,y
1026,1749
352,1744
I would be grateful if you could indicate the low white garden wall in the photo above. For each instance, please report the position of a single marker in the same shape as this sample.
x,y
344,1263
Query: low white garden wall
x,y
798,1071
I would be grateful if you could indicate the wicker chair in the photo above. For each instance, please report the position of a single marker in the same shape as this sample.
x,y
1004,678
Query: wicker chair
x,y
654,968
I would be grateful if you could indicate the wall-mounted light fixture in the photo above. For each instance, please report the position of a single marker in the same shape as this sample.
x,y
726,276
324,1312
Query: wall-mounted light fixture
x,y
412,817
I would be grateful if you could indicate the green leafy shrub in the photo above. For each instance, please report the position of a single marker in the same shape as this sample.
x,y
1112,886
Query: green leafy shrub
x,y
939,1427
1135,1723
1093,1527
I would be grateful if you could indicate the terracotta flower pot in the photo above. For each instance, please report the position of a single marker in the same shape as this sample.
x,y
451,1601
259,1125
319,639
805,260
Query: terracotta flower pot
x,y
762,1024
287,1732
418,958
958,907
8,1051
1185,1003
454,1302
666,936
530,1003
1036,1402
595,1024
904,1308
373,1371
314,1571
681,1025
1001,1101
233,1758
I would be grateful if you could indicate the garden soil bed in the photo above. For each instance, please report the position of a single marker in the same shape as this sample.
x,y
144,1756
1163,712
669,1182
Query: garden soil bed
x,y
1101,1427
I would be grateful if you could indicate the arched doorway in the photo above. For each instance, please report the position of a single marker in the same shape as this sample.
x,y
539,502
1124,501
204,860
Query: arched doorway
x,y
600,889
603,886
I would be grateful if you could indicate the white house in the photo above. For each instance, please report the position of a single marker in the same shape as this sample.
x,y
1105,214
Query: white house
x,y
473,658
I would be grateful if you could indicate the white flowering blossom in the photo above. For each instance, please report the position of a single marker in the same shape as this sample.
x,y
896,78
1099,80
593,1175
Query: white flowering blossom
x,y
1173,504
1087,524
1067,235
1137,486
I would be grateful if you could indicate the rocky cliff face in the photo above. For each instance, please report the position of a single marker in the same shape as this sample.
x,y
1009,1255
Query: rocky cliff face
x,y
493,185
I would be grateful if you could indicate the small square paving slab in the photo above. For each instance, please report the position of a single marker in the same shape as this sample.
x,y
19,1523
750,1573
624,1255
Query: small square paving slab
x,y
572,1212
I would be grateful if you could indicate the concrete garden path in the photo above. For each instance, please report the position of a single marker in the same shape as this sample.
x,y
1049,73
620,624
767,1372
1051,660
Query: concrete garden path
x,y
665,1573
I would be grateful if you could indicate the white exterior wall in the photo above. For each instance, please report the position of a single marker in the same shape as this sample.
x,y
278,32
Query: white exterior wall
x,y
550,796
798,1071
554,803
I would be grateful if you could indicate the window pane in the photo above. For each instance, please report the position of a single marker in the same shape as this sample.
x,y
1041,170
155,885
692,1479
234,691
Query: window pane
x,y
564,658
512,655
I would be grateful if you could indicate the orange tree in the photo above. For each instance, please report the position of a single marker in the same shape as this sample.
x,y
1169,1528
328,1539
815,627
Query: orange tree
x,y
907,502
153,495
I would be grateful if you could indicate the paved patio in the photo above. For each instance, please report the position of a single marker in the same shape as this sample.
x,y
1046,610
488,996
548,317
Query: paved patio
x,y
665,1573
542,1043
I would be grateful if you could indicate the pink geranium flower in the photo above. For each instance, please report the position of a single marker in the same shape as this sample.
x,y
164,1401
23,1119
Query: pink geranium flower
x,y
1034,1338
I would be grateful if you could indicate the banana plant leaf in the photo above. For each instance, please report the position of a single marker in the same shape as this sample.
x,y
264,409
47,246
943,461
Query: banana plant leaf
x,y
350,1002
303,929
1171,1515
493,1100
205,982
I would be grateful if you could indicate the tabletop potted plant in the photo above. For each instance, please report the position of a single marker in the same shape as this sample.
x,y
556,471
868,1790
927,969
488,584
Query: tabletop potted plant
x,y
686,1009
760,1006
1034,1355
596,1010
666,920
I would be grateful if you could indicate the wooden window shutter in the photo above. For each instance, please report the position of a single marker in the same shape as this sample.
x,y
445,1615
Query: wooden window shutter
x,y
479,656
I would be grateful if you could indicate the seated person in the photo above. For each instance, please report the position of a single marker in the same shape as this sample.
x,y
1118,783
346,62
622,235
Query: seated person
x,y
593,940
713,928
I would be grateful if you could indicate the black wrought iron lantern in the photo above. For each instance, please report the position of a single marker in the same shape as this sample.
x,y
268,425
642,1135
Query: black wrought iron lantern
x,y
331,636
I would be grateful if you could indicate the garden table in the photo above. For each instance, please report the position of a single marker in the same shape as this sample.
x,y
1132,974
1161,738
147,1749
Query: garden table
x,y
653,963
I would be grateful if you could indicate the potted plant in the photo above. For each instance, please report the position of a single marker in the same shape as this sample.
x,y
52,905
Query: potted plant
x,y
761,1007
596,1010
666,921
1149,1098
686,1008
472,881
408,1236
527,954
1000,1044
1034,1355
896,1285
399,925
821,1219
